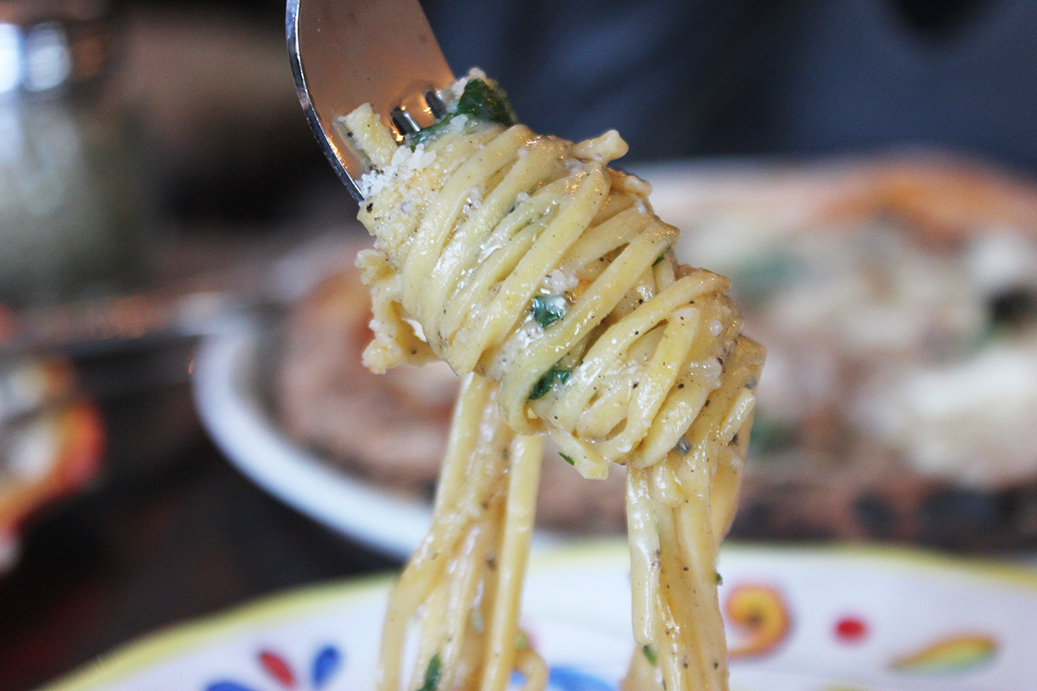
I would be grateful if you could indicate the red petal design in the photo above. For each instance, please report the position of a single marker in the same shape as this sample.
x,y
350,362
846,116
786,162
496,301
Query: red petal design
x,y
851,629
276,667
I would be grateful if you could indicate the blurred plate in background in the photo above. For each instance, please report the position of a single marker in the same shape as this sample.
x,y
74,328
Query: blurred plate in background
x,y
897,298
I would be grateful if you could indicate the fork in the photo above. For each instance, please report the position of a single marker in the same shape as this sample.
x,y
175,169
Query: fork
x,y
345,53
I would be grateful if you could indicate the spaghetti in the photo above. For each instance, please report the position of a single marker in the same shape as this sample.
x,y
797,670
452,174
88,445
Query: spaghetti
x,y
543,278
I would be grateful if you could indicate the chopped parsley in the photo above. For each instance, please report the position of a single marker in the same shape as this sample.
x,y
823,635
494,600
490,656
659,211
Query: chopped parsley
x,y
547,309
432,674
760,279
649,653
567,459
481,100
546,382
486,101
720,579
771,435
426,134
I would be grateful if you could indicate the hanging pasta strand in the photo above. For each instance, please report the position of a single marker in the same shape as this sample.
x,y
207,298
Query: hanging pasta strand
x,y
473,559
544,278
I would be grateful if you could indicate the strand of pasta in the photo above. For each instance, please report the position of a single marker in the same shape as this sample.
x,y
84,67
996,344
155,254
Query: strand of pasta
x,y
474,557
468,494
672,557
502,621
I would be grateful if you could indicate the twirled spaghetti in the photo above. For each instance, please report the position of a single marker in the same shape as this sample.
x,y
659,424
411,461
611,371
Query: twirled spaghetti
x,y
544,279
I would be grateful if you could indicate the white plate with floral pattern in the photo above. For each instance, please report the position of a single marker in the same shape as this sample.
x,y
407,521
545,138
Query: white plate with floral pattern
x,y
798,620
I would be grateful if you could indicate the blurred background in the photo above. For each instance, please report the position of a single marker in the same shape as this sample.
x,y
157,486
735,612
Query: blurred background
x,y
158,182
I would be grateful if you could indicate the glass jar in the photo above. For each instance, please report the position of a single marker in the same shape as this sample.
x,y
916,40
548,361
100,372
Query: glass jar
x,y
70,195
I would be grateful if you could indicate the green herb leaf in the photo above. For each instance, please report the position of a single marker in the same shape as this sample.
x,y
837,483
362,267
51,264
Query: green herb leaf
x,y
547,381
649,653
771,435
760,279
481,100
432,674
542,386
660,258
427,134
547,309
487,102
567,459
720,579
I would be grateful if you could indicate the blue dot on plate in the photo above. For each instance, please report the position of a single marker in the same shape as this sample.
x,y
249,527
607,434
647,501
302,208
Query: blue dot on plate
x,y
570,679
325,664
226,686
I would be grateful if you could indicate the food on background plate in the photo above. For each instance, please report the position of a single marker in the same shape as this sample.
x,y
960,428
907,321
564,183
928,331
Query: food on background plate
x,y
392,428
898,299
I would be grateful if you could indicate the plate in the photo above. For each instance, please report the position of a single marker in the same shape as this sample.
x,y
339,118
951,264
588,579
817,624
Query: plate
x,y
232,406
884,437
822,620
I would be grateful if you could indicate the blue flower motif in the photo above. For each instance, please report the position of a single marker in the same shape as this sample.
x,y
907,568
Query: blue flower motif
x,y
325,665
572,679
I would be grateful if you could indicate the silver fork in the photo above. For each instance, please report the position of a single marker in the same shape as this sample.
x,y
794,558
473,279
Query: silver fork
x,y
345,53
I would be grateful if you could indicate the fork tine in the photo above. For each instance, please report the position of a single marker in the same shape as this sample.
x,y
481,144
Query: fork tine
x,y
345,53
435,103
403,121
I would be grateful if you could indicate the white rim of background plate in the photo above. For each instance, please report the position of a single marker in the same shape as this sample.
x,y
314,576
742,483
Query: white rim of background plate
x,y
225,369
